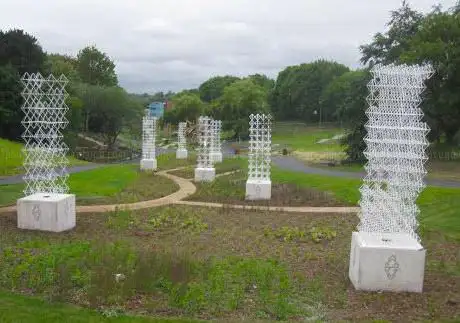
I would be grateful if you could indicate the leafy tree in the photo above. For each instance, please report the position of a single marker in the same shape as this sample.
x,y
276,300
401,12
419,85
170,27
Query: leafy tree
x,y
387,47
22,51
57,64
112,109
263,81
298,90
186,107
19,53
96,68
437,42
10,103
214,87
238,101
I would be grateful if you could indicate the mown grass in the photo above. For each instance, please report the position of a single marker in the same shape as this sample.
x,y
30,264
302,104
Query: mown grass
x,y
101,182
305,138
439,207
11,158
18,308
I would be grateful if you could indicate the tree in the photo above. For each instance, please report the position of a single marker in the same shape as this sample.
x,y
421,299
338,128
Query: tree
x,y
298,90
57,64
238,101
351,107
387,47
22,51
214,87
111,110
263,81
96,68
186,107
10,103
437,42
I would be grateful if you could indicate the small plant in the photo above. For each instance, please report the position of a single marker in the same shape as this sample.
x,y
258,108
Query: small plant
x,y
321,234
285,152
295,234
168,218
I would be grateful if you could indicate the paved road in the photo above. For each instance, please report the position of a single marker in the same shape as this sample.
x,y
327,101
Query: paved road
x,y
291,163
284,162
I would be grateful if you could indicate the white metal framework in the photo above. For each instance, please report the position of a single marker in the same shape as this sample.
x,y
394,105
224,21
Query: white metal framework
x,y
259,147
45,153
181,141
216,128
396,143
205,137
149,124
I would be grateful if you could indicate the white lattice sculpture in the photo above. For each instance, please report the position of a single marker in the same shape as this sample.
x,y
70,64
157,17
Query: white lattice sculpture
x,y
204,172
181,152
216,144
258,185
386,253
149,123
46,206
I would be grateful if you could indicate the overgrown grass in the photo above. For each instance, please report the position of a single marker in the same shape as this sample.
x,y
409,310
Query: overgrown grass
x,y
109,275
305,138
11,158
221,264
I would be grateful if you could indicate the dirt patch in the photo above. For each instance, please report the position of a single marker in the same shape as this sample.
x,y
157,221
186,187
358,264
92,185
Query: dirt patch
x,y
232,189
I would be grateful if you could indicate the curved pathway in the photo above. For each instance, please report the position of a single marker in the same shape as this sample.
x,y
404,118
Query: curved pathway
x,y
188,188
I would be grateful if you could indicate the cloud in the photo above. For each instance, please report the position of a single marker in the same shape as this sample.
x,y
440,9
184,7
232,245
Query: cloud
x,y
170,45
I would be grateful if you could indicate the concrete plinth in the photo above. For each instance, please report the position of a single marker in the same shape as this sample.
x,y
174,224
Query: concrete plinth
x,y
215,157
148,164
47,212
205,174
258,190
386,262
181,154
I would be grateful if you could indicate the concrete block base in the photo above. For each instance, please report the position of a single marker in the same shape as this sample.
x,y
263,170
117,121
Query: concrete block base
x,y
205,174
47,212
148,164
181,154
258,190
386,262
215,157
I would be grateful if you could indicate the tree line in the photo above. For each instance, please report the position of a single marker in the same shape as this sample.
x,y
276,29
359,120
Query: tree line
x,y
96,101
319,91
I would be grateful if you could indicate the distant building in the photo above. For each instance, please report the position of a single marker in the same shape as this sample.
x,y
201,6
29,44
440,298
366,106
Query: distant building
x,y
156,109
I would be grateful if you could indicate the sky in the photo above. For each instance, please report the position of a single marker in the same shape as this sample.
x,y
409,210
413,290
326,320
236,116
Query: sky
x,y
161,45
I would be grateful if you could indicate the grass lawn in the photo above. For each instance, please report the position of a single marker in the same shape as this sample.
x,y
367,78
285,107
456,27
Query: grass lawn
x,y
229,265
106,185
302,137
21,309
11,158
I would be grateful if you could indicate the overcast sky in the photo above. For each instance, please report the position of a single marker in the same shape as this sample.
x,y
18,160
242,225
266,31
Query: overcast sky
x,y
175,44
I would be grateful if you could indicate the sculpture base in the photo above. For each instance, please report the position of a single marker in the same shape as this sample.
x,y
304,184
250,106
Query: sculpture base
x,y
148,164
181,154
258,189
205,174
47,212
386,262
215,157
